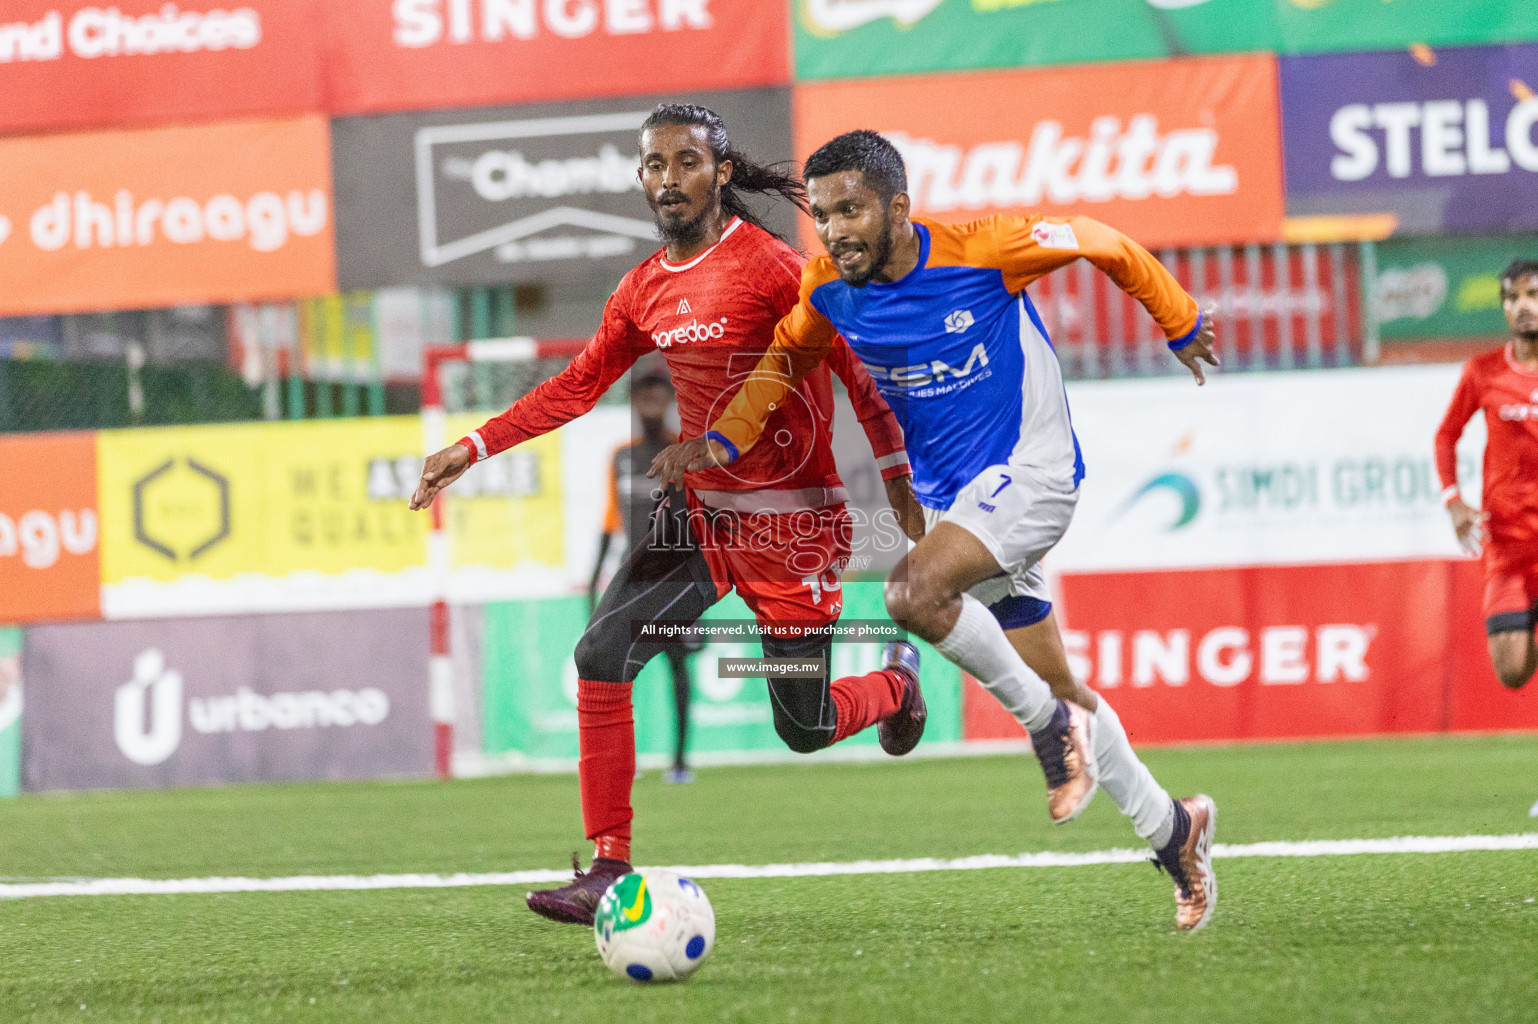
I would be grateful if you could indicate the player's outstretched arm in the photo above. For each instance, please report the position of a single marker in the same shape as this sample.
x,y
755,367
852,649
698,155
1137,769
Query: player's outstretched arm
x,y
440,470
691,456
1199,349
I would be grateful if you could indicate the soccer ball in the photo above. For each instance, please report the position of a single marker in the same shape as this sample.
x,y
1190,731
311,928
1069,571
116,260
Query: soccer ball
x,y
654,926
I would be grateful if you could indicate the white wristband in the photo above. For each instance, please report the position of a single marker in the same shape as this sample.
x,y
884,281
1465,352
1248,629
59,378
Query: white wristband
x,y
1449,494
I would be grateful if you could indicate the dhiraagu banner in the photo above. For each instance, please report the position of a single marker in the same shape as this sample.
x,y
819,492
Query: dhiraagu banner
x,y
529,697
10,711
852,38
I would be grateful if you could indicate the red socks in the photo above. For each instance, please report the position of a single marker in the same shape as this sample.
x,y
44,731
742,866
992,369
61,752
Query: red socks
x,y
863,701
606,740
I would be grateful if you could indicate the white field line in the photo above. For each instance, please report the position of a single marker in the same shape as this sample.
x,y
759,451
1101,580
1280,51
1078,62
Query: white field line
x,y
313,883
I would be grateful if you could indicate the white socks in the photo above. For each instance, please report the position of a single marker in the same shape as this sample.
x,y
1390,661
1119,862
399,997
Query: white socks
x,y
977,643
1129,781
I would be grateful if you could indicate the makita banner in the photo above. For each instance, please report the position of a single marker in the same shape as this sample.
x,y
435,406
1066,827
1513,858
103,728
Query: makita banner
x,y
1176,153
1445,139
417,54
533,193
335,695
78,64
847,38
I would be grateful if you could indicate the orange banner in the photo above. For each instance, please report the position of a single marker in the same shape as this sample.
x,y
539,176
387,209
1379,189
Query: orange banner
x,y
167,216
48,528
1183,152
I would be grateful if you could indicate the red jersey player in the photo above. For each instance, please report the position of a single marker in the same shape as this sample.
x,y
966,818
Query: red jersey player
x,y
773,525
1504,385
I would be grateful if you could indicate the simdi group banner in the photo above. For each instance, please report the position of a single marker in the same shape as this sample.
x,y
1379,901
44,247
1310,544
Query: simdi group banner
x,y
851,38
418,54
1269,558
238,211
1445,139
1182,152
87,64
540,192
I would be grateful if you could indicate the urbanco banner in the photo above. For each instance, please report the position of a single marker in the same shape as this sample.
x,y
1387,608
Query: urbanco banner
x,y
86,64
1330,466
238,211
1174,153
336,695
854,38
533,193
419,54
1444,139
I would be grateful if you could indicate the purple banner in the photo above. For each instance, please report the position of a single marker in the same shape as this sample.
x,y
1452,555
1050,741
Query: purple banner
x,y
188,702
1445,139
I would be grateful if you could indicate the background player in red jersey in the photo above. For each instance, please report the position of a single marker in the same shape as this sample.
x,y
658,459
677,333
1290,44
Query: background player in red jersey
x,y
1504,384
773,525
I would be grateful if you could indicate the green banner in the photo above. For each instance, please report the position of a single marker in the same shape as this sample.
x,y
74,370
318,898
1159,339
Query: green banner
x,y
1436,288
10,711
529,690
853,38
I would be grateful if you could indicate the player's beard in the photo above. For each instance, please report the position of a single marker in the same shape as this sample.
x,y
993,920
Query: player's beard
x,y
878,260
681,231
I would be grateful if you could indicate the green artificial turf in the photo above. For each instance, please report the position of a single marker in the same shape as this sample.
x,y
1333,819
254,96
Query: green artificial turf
x,y
1442,937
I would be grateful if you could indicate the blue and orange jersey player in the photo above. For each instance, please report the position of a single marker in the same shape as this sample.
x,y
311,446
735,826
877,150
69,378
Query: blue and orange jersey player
x,y
939,315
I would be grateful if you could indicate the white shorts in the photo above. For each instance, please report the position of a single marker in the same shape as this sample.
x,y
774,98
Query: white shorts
x,y
1018,514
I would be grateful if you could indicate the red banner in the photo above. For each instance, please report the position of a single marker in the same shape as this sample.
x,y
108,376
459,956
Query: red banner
x,y
1281,652
49,564
415,54
76,64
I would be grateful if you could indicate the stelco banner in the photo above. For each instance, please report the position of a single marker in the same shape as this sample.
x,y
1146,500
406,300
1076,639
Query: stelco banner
x,y
1177,153
1444,287
262,698
1446,140
849,38
168,216
541,192
48,528
80,64
415,54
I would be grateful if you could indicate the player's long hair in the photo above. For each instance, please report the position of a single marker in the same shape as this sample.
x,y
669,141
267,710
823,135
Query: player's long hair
x,y
747,176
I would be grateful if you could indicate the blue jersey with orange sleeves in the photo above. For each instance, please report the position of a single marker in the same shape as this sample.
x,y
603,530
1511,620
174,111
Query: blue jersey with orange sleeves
x,y
956,347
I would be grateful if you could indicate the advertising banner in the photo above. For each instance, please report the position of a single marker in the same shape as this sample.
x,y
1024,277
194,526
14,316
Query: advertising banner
x,y
542,192
166,216
80,64
530,691
48,528
853,38
312,515
1333,466
1445,140
416,54
1176,153
1444,287
10,711
153,704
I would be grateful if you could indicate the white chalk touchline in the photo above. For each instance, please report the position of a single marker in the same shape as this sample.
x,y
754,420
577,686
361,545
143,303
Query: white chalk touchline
x,y
303,883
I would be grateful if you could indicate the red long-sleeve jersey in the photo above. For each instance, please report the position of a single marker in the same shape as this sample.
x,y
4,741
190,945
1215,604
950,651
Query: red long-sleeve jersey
x,y
713,318
1508,394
